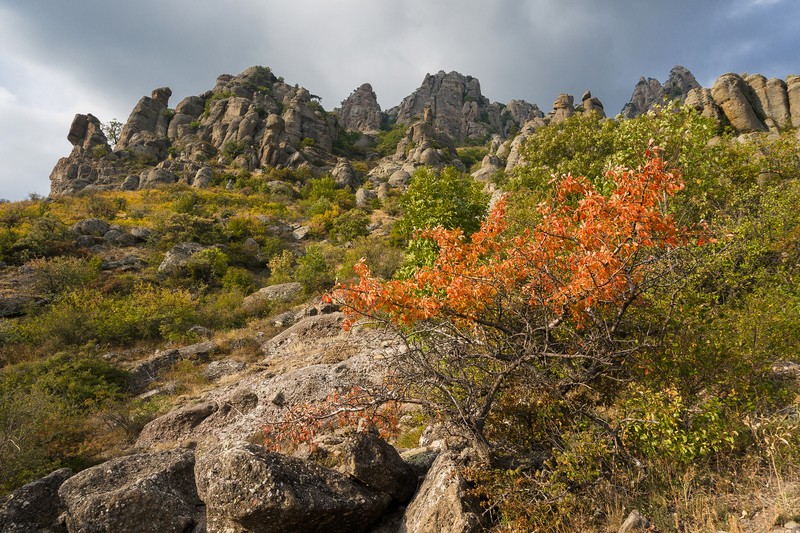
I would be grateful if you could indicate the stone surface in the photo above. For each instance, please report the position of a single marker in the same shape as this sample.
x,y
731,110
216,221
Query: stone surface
x,y
736,99
283,292
634,522
151,492
793,93
441,503
771,101
177,258
361,111
35,506
366,457
649,92
247,488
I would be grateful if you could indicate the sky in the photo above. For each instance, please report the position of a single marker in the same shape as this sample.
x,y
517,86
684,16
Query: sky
x,y
59,58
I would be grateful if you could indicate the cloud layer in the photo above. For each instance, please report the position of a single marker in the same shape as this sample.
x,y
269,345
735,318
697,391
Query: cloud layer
x,y
61,58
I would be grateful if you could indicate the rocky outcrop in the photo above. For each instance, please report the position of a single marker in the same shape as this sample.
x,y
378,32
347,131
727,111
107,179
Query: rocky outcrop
x,y
592,104
35,506
151,492
738,101
361,111
249,120
563,108
249,489
649,92
265,296
458,110
771,101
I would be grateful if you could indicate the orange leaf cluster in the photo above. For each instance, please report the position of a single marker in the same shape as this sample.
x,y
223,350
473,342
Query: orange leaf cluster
x,y
590,252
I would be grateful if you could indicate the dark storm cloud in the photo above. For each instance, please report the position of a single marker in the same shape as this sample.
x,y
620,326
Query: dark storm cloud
x,y
97,56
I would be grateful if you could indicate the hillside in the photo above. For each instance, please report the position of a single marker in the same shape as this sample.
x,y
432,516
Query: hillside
x,y
554,353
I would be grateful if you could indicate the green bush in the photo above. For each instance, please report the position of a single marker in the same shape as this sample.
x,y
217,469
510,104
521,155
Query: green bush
x,y
207,266
313,270
57,275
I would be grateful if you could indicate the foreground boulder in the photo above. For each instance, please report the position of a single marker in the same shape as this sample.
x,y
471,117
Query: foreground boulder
x,y
248,488
442,503
366,457
151,492
35,506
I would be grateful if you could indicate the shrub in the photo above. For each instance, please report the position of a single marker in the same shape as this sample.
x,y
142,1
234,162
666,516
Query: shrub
x,y
57,275
313,271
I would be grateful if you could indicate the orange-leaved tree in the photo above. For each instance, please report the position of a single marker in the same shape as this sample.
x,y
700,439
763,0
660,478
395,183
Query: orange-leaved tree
x,y
541,313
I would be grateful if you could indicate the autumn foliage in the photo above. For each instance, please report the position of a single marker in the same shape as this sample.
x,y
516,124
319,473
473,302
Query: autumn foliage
x,y
589,254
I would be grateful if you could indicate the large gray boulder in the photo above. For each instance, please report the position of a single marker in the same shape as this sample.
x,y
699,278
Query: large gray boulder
x,y
249,489
563,108
151,492
35,506
283,292
737,101
368,458
442,503
178,257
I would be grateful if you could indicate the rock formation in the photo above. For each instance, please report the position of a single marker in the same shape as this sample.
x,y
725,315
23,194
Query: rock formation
x,y
458,110
649,91
248,120
738,101
361,111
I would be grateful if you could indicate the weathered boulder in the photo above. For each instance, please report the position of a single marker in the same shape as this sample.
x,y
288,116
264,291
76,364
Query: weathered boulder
x,y
634,522
442,502
702,100
365,197
217,370
143,373
736,99
366,457
91,226
344,175
86,132
14,305
247,488
150,492
283,292
307,362
35,506
361,111
177,258
563,108
592,104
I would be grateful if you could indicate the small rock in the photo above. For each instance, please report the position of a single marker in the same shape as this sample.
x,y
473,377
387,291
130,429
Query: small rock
x,y
634,522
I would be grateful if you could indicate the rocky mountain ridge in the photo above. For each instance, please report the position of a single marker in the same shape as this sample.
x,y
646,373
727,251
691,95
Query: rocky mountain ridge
x,y
255,121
